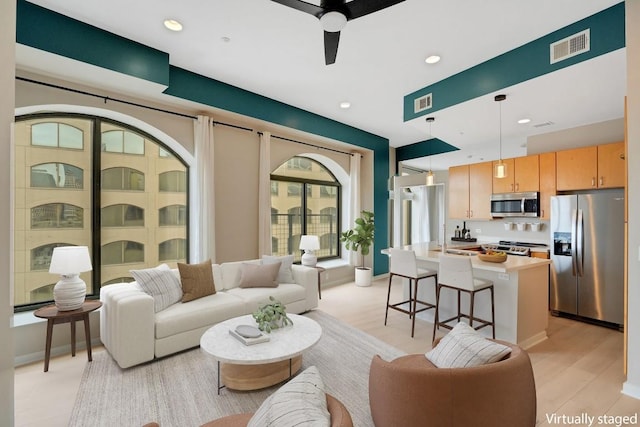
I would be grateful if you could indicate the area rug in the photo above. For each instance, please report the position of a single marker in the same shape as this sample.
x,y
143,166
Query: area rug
x,y
180,390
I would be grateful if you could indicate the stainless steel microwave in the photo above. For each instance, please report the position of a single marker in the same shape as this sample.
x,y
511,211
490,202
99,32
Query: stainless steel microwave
x,y
515,204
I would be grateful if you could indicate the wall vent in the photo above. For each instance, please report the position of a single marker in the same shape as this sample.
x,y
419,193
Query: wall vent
x,y
423,103
570,46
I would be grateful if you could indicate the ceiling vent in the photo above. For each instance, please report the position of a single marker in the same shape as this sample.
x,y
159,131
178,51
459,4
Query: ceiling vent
x,y
423,103
543,124
570,46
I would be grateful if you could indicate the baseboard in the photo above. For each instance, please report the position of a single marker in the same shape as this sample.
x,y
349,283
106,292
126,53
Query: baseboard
x,y
531,341
631,390
38,356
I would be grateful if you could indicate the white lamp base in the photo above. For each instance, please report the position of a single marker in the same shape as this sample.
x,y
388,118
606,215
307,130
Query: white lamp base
x,y
309,259
69,293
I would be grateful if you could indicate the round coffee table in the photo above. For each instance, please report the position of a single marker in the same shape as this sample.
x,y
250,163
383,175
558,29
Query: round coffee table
x,y
252,367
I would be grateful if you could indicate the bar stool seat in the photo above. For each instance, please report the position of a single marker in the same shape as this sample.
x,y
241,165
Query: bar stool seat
x,y
456,273
403,263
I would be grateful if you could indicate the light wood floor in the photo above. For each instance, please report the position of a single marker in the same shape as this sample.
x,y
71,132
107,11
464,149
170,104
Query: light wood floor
x,y
578,370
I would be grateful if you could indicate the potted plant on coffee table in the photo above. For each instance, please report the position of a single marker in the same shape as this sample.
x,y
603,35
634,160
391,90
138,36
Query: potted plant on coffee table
x,y
360,238
272,315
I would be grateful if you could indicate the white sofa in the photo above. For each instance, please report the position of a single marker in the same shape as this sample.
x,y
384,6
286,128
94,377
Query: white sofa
x,y
134,333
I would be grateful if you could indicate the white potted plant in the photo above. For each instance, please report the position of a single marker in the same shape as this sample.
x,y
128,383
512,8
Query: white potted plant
x,y
360,238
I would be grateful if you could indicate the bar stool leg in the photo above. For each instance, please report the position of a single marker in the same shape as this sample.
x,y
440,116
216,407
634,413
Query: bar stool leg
x,y
471,302
493,315
436,319
386,313
413,309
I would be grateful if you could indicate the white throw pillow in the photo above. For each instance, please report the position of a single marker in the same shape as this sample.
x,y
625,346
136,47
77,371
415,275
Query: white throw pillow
x,y
464,347
285,275
161,283
300,402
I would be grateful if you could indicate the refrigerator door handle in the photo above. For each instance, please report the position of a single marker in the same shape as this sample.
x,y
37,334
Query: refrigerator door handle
x,y
574,232
580,247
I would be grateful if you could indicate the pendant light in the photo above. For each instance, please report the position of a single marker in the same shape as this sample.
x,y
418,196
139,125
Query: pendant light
x,y
430,176
500,170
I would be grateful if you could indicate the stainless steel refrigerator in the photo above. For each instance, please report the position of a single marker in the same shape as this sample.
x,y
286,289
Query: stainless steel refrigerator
x,y
587,234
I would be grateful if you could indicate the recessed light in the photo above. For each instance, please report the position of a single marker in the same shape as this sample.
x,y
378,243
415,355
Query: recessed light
x,y
523,121
432,59
172,25
345,104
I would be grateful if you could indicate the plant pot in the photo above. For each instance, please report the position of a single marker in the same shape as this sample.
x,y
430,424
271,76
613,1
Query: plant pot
x,y
363,276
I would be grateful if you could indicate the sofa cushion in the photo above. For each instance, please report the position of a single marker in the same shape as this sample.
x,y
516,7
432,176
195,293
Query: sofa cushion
x,y
202,312
196,280
465,347
161,284
301,401
259,276
229,273
254,297
285,275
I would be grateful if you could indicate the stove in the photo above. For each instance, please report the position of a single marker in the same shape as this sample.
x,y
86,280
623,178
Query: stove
x,y
513,248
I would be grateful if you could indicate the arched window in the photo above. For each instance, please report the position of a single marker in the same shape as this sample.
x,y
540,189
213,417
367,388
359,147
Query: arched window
x,y
122,216
57,215
56,175
58,135
122,252
122,179
173,181
312,203
41,256
172,250
116,208
122,141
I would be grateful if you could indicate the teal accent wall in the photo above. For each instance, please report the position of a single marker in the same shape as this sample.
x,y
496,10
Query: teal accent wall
x,y
46,30
428,147
526,62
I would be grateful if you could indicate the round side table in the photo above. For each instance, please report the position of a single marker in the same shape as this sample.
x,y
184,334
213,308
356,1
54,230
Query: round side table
x,y
54,317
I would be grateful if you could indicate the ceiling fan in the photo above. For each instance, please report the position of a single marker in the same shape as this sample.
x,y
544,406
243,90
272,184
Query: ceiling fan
x,y
334,14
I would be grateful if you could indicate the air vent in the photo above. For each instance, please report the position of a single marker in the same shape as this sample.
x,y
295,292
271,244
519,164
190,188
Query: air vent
x,y
421,104
541,125
570,46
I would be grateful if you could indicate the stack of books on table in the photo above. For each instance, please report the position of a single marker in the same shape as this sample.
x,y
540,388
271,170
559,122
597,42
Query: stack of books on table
x,y
248,335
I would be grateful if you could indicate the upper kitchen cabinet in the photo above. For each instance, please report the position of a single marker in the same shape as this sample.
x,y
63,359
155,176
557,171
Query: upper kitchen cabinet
x,y
611,165
522,175
584,168
547,167
470,191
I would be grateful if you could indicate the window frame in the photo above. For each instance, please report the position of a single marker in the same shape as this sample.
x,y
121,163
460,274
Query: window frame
x,y
95,180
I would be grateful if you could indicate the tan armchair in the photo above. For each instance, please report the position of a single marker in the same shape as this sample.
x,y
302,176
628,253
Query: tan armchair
x,y
411,391
340,417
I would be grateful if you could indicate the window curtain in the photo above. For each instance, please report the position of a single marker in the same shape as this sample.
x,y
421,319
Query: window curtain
x,y
354,199
420,214
204,200
264,195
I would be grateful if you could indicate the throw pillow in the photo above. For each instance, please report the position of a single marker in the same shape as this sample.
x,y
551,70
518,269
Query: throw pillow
x,y
285,275
161,284
259,276
300,402
197,280
465,347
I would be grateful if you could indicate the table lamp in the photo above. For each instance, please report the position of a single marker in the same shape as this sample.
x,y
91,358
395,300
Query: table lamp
x,y
309,244
69,262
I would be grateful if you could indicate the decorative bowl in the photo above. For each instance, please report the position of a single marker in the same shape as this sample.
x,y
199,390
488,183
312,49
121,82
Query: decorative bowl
x,y
494,257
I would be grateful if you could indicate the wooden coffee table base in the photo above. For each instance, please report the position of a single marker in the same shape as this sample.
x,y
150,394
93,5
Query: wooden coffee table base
x,y
254,377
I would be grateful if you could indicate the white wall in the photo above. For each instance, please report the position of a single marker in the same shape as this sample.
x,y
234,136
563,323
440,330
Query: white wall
x,y
7,75
632,385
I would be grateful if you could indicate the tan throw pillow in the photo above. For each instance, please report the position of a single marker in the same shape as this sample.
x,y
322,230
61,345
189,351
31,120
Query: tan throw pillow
x,y
196,280
259,276
465,347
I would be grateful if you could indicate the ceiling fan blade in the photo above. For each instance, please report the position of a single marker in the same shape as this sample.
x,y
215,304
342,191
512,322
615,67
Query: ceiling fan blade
x,y
358,8
302,6
331,41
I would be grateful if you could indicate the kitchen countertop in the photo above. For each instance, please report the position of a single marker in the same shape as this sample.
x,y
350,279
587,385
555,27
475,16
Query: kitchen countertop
x,y
430,252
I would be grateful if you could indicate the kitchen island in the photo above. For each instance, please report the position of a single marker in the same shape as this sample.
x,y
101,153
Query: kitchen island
x,y
521,288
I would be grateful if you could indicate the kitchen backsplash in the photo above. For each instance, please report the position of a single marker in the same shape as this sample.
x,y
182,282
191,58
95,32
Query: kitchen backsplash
x,y
521,230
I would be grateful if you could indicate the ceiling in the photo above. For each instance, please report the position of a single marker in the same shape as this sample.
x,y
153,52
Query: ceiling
x,y
276,51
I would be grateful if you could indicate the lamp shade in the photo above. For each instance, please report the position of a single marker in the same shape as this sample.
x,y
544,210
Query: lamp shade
x,y
309,242
70,260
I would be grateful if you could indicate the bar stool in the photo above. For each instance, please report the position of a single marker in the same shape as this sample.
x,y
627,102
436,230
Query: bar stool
x,y
456,272
403,263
